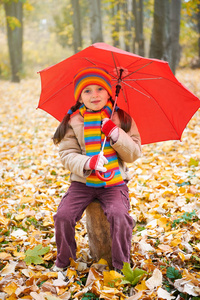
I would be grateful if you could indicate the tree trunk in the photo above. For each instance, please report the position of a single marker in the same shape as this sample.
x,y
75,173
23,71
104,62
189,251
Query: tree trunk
x,y
95,17
160,32
116,29
77,38
198,20
174,34
98,230
135,14
140,29
137,9
15,38
127,24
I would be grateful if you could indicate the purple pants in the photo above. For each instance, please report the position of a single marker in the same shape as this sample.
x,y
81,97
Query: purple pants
x,y
115,204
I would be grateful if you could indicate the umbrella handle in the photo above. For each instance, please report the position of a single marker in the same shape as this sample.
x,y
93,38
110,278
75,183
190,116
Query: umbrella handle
x,y
105,178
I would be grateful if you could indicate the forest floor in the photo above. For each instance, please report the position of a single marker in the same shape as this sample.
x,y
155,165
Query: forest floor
x,y
165,202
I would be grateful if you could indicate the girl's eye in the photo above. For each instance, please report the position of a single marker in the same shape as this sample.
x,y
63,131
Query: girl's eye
x,y
100,88
86,91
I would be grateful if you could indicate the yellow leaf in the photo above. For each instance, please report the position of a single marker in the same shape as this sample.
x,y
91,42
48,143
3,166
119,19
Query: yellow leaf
x,y
182,256
109,277
47,223
172,232
52,274
26,200
28,6
21,255
2,239
189,195
71,272
13,297
20,217
168,193
141,286
3,220
48,256
163,222
182,189
175,242
102,262
10,288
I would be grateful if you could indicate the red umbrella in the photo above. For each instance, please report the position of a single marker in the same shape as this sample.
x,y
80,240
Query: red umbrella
x,y
160,105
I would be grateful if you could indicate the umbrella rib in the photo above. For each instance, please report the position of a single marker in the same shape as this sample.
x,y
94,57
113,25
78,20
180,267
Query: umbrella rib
x,y
125,99
90,61
138,69
163,113
141,79
55,94
115,65
136,89
95,62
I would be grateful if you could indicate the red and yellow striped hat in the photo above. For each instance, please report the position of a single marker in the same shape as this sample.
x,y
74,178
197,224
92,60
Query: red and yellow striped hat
x,y
91,75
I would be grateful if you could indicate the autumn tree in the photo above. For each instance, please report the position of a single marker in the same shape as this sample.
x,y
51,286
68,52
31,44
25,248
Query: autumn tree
x,y
126,8
77,36
192,18
64,26
160,30
174,51
95,21
166,31
198,18
137,8
71,23
112,9
14,21
115,22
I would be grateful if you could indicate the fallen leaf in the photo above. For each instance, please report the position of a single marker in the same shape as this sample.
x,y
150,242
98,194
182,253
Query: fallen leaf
x,y
155,280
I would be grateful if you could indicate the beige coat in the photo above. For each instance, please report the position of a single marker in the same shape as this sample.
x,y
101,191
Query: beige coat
x,y
73,154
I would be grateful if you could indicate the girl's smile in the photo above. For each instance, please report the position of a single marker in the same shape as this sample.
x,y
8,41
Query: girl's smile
x,y
94,97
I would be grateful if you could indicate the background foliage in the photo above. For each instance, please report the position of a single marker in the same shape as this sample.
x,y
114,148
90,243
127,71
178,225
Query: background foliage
x,y
48,31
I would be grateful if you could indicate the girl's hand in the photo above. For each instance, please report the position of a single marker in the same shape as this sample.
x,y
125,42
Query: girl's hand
x,y
96,162
110,129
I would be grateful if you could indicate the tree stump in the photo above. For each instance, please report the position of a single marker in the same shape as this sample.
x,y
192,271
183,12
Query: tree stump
x,y
98,230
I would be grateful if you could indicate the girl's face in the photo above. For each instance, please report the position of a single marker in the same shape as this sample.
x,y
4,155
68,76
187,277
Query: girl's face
x,y
94,97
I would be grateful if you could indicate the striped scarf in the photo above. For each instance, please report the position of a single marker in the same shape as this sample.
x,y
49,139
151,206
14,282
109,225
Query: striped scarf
x,y
94,139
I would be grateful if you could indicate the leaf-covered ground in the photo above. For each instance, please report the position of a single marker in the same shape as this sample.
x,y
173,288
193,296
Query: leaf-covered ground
x,y
165,202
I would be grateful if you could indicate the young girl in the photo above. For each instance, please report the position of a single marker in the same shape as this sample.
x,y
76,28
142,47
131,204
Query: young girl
x,y
80,137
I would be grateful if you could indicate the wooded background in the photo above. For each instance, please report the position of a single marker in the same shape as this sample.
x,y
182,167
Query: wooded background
x,y
35,34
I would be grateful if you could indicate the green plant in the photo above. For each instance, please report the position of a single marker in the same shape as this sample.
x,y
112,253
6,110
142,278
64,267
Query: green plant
x,y
34,255
140,228
173,273
89,296
131,276
186,217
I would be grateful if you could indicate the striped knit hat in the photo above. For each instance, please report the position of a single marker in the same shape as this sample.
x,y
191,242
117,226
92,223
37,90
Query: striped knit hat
x,y
91,75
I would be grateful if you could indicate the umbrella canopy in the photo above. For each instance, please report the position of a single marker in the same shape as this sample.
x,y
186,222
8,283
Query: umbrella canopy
x,y
160,105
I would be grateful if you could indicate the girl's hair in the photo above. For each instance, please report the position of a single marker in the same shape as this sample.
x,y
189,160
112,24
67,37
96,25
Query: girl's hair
x,y
125,120
64,125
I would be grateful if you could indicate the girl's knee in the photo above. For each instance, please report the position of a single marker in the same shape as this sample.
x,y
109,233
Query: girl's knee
x,y
62,216
118,214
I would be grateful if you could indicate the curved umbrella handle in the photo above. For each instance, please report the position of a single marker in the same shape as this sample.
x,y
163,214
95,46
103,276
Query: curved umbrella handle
x,y
105,178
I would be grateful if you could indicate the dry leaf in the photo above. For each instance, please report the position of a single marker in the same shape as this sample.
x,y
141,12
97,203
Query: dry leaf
x,y
163,294
155,280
